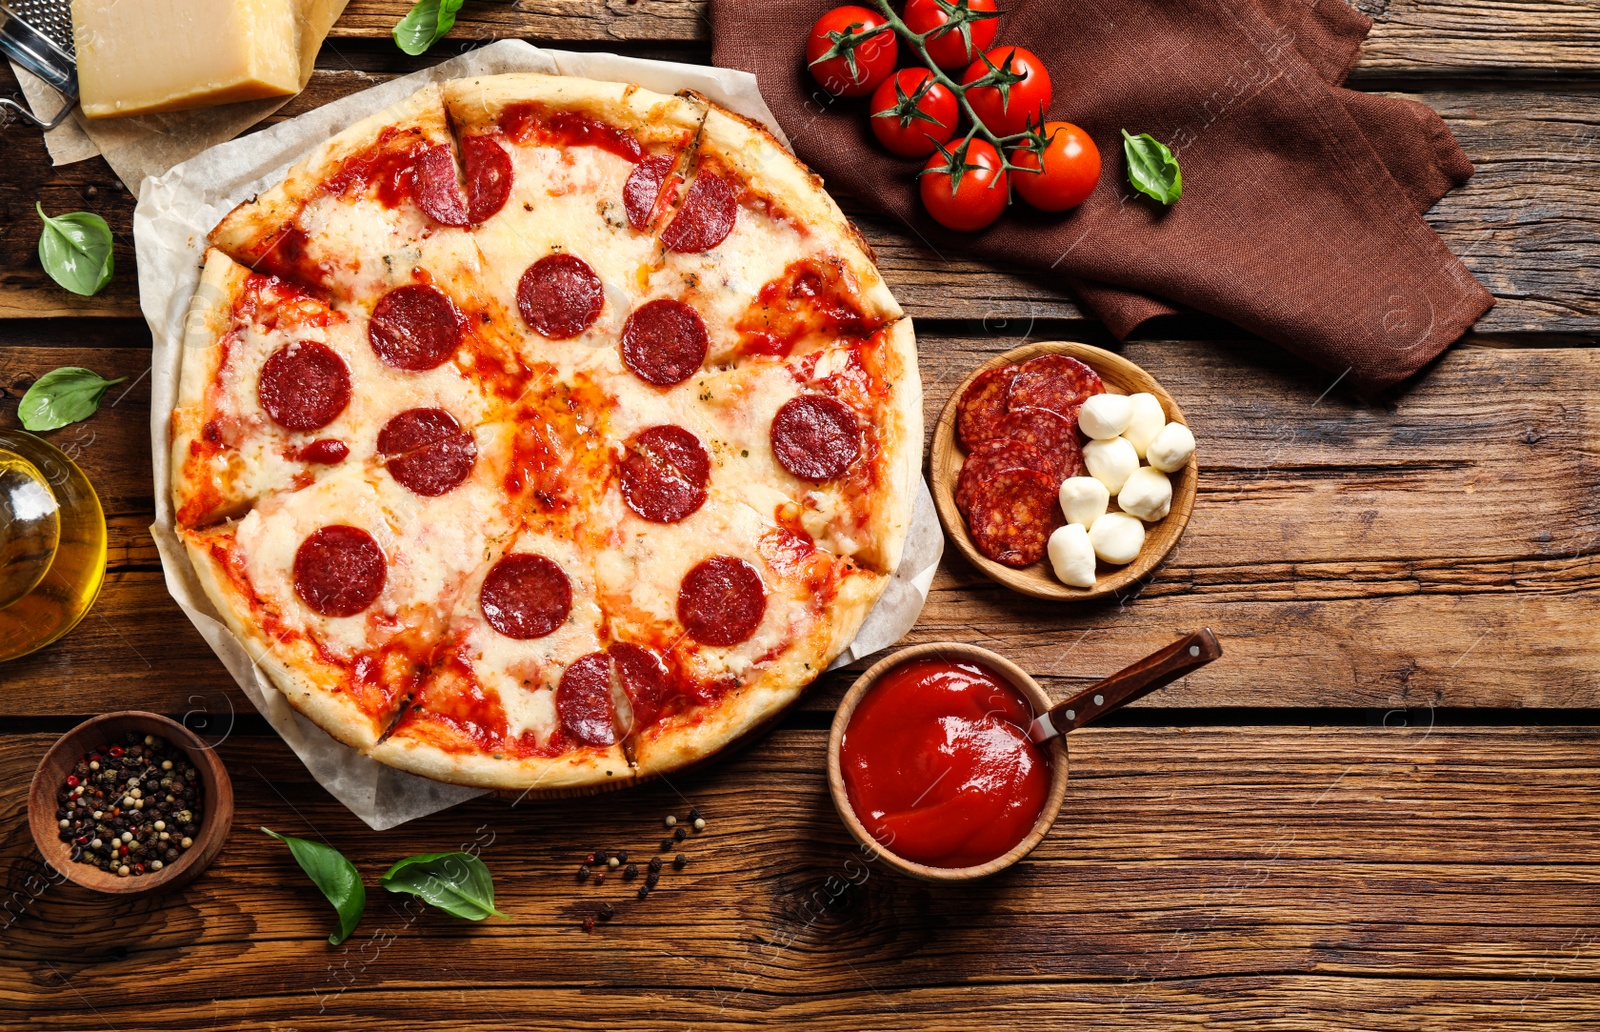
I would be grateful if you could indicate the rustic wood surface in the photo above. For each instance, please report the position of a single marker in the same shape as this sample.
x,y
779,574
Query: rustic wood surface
x,y
1376,811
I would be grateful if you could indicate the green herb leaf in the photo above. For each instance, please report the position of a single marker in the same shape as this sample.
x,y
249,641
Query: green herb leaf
x,y
425,24
62,396
1152,169
335,876
457,883
75,250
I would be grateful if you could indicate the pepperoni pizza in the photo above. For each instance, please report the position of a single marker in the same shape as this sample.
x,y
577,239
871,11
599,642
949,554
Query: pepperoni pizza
x,y
543,432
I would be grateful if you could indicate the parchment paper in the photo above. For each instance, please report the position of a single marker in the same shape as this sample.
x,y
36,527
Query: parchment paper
x,y
175,212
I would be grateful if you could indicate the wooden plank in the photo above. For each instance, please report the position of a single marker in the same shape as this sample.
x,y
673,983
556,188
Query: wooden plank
x,y
1440,550
1522,224
1407,36
1245,878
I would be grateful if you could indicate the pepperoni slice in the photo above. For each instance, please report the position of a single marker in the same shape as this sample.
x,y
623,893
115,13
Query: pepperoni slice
x,y
583,700
644,678
438,193
324,451
642,193
426,451
664,342
664,474
706,218
1013,514
415,328
991,457
983,404
339,570
304,385
1055,382
1055,436
526,596
816,437
489,176
560,296
721,601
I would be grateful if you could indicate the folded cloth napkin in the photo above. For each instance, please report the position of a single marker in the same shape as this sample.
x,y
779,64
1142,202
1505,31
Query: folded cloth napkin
x,y
1301,215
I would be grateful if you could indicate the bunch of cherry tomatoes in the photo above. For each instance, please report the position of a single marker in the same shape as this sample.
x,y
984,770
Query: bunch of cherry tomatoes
x,y
1002,93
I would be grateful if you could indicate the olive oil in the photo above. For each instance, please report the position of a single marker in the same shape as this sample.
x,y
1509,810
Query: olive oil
x,y
52,544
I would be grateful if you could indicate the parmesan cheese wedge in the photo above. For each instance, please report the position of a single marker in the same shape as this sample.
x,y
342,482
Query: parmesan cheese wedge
x,y
142,56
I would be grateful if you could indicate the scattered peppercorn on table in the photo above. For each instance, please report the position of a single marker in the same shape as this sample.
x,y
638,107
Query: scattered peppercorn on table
x,y
1375,811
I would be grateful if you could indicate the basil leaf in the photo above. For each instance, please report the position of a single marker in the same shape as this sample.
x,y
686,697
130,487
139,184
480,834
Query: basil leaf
x,y
75,250
1152,169
62,396
335,876
425,24
457,883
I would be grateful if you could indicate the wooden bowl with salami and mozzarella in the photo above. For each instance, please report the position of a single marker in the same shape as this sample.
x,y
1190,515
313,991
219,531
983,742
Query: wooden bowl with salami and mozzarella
x,y
1063,471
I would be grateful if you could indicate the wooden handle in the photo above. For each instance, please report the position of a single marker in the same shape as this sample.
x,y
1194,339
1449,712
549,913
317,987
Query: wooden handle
x,y
1157,670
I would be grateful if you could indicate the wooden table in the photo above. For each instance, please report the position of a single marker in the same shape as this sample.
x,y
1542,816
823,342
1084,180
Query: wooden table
x,y
1380,810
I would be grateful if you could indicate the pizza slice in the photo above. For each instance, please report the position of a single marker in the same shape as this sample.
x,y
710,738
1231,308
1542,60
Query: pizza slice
x,y
278,389
590,167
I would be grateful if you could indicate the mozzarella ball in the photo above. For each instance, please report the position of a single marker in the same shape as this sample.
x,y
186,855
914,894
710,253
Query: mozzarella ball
x,y
1147,420
1104,416
1083,500
1111,462
1171,448
1147,494
1072,556
1117,538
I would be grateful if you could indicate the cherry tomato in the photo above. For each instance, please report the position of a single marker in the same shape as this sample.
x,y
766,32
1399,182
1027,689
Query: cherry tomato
x,y
949,49
1067,173
846,66
980,195
912,114
1007,108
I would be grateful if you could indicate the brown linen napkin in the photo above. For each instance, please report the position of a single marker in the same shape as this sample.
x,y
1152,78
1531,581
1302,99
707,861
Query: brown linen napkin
x,y
1301,214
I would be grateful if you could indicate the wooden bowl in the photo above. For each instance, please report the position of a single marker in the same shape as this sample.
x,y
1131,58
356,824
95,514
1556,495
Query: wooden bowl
x,y
957,653
1039,580
93,733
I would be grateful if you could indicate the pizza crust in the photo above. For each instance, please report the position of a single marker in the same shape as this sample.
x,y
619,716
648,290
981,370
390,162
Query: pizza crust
x,y
209,318
479,101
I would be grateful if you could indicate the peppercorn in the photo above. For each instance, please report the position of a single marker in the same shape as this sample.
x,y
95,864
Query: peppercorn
x,y
588,924
680,861
644,892
671,820
613,862
699,824
630,872
655,863
694,814
599,877
651,878
606,911
679,834
622,856
583,872
105,814
666,845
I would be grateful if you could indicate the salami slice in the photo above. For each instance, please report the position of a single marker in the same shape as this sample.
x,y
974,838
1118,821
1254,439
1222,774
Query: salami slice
x,y
1055,382
1013,514
438,192
560,296
721,601
644,677
489,176
1054,435
324,451
664,473
982,405
706,218
991,457
816,437
339,570
526,596
426,451
586,698
304,386
583,700
645,189
415,328
664,342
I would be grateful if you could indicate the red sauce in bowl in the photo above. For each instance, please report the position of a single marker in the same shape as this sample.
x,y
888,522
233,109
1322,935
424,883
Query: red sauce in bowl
x,y
938,766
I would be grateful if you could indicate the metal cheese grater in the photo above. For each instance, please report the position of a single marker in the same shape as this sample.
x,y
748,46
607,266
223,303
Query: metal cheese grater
x,y
37,34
